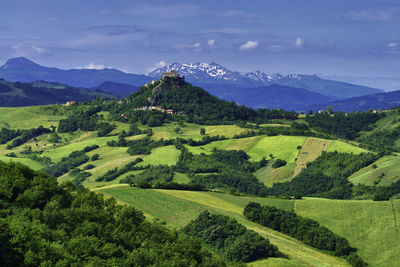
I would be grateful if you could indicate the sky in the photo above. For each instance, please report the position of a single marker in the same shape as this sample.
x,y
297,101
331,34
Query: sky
x,y
351,40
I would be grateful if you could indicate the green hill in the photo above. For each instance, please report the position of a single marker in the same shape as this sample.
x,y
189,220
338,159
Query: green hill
x,y
16,94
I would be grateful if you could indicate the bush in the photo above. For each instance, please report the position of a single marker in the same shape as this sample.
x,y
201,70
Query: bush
x,y
95,157
278,163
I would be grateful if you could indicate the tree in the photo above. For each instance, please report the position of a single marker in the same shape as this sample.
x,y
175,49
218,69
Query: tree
x,y
329,109
202,131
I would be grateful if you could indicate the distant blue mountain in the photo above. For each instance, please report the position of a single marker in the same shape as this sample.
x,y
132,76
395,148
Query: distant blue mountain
x,y
362,103
272,96
254,89
24,70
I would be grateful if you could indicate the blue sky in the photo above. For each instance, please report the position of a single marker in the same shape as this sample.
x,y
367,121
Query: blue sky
x,y
351,40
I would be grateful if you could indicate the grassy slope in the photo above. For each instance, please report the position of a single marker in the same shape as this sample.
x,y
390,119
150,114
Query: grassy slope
x,y
310,151
388,165
28,162
177,208
343,147
283,147
27,117
372,227
192,130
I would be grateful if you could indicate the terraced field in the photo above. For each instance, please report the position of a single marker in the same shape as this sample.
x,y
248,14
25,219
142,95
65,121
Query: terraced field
x,y
384,171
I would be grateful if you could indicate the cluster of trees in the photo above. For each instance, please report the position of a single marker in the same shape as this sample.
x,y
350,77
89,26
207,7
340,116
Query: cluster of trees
x,y
303,229
116,172
230,238
145,145
73,160
151,176
377,193
222,169
344,125
26,135
383,139
8,134
85,120
325,177
44,223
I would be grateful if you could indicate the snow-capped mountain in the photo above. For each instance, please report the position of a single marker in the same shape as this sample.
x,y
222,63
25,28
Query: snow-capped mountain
x,y
206,74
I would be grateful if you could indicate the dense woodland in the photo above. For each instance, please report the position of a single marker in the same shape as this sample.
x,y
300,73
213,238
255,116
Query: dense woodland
x,y
44,223
230,238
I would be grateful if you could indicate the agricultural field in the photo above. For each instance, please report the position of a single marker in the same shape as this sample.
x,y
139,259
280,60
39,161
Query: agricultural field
x,y
343,147
372,226
310,151
29,117
282,147
384,171
192,131
26,161
268,175
177,208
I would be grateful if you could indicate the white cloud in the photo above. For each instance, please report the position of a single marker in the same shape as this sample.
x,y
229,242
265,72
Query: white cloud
x,y
211,42
195,47
392,45
38,49
384,14
249,45
157,65
93,66
299,42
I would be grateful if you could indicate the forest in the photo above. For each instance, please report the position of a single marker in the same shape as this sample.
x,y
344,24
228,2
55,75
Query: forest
x,y
46,224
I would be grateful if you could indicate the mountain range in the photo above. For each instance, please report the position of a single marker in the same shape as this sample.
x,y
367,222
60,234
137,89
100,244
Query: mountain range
x,y
254,89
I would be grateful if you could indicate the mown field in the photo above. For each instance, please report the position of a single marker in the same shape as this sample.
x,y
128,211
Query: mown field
x,y
384,171
28,117
177,208
372,227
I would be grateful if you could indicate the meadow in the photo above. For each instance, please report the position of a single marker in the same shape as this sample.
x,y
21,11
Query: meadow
x,y
371,227
384,171
177,208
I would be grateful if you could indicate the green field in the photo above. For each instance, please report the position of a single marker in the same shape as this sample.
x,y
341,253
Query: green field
x,y
268,175
310,151
387,165
371,227
28,117
192,131
177,208
28,162
343,147
283,147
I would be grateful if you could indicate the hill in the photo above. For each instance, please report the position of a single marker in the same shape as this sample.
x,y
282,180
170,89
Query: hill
x,y
15,94
380,101
121,89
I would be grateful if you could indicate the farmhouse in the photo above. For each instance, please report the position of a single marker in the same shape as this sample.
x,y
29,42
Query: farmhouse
x,y
70,103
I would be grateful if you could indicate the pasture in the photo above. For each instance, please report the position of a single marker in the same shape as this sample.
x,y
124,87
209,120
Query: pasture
x,y
386,172
29,117
177,208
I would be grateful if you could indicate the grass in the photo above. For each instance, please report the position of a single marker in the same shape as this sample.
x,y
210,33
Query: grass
x,y
310,151
165,155
387,165
79,143
192,131
371,227
28,117
28,162
282,147
177,208
343,147
269,175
